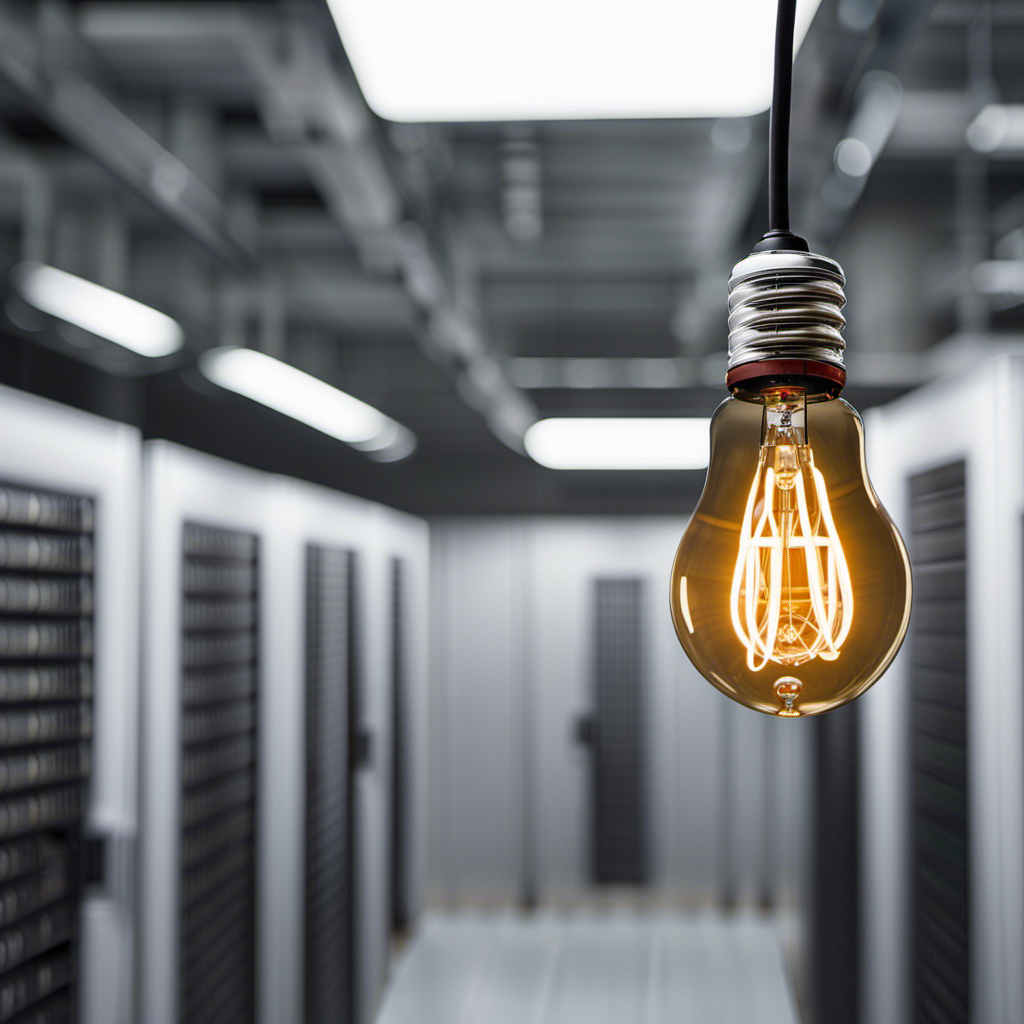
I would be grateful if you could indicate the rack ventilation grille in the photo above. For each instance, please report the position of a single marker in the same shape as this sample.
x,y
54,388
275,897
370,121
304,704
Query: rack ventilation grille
x,y
938,650
330,717
220,665
619,811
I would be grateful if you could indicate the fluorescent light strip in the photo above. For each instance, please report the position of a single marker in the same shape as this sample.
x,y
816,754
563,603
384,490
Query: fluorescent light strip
x,y
96,309
512,60
998,126
620,444
303,397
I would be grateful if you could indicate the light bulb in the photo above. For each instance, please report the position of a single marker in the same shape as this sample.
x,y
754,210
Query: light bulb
x,y
791,587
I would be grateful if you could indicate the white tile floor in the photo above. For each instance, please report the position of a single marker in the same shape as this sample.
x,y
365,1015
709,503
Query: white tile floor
x,y
588,968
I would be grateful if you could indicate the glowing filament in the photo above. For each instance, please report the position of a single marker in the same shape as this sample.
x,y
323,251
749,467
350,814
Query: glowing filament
x,y
791,598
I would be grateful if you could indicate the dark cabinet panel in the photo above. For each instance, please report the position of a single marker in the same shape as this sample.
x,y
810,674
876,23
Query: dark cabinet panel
x,y
331,753
220,683
617,734
938,747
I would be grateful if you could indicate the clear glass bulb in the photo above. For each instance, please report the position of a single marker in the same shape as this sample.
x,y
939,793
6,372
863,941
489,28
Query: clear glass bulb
x,y
791,586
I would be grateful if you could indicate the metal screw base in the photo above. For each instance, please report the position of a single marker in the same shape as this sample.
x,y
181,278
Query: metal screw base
x,y
785,305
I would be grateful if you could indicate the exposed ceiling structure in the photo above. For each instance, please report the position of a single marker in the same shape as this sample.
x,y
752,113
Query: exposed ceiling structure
x,y
219,162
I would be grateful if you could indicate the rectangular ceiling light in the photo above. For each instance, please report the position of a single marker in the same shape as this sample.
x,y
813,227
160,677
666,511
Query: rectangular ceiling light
x,y
101,311
305,398
527,60
609,443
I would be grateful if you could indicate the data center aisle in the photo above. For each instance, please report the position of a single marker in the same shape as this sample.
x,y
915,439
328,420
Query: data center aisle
x,y
586,968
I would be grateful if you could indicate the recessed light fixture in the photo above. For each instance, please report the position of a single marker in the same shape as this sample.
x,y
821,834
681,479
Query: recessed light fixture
x,y
609,443
528,60
101,311
292,392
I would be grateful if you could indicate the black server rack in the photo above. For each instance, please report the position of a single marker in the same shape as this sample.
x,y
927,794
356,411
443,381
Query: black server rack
x,y
46,609
617,739
938,747
332,742
400,739
836,924
219,752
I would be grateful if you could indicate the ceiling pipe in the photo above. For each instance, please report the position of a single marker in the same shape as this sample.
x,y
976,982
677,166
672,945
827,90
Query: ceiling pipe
x,y
352,167
309,105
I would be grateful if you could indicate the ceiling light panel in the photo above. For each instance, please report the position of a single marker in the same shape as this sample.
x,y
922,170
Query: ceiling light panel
x,y
101,311
527,60
617,443
308,399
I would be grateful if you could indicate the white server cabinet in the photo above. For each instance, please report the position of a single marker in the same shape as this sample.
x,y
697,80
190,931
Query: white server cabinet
x,y
947,462
205,759
69,587
329,650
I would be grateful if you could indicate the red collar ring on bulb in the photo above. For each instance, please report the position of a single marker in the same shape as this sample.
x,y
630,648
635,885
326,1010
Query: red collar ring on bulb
x,y
805,369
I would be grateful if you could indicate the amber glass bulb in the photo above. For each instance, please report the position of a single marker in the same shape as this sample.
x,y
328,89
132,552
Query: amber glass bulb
x,y
791,586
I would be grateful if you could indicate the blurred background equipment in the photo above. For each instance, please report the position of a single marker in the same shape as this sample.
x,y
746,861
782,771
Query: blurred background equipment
x,y
295,730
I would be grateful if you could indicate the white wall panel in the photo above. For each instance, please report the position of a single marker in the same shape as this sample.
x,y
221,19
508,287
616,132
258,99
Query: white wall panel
x,y
477,763
512,610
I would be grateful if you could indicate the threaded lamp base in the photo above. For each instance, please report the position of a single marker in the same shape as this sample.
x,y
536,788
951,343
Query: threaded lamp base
x,y
785,319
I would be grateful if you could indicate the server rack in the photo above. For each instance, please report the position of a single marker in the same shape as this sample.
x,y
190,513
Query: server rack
x,y
318,547
956,687
46,685
68,590
328,657
203,760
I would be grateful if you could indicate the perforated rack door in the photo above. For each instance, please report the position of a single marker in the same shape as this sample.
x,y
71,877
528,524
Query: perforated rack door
x,y
218,810
619,806
46,606
400,739
330,749
938,722
836,915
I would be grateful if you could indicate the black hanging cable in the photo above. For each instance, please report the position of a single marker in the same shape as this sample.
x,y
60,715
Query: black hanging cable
x,y
778,131
779,236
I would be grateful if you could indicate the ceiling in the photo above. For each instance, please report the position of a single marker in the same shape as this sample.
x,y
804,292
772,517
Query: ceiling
x,y
218,162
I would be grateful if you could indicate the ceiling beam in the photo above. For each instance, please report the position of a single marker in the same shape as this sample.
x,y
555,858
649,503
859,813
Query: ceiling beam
x,y
47,63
